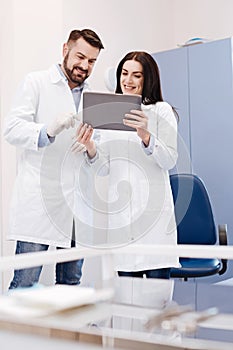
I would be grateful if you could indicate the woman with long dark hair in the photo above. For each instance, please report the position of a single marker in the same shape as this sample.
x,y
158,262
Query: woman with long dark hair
x,y
139,207
156,131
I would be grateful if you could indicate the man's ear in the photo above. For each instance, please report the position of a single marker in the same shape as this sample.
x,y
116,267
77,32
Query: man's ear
x,y
65,49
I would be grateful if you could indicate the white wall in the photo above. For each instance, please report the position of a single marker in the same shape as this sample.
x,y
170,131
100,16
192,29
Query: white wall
x,y
151,25
32,33
123,26
29,41
211,19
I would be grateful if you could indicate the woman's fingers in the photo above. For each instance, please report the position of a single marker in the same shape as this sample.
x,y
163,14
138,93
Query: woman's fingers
x,y
136,121
136,118
138,113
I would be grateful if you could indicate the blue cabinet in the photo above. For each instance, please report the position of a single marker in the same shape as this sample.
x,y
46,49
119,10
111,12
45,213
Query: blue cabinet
x,y
198,80
211,112
173,67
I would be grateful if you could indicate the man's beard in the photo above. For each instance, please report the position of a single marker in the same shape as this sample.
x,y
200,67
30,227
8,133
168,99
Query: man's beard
x,y
76,78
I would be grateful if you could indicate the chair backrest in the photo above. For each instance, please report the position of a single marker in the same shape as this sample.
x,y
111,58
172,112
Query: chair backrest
x,y
194,216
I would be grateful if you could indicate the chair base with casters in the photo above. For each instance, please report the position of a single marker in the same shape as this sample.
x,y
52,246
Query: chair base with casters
x,y
196,225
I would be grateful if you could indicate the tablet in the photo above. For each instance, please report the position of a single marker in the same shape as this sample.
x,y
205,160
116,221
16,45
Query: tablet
x,y
107,110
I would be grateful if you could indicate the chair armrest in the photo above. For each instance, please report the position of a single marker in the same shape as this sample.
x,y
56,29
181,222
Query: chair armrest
x,y
222,235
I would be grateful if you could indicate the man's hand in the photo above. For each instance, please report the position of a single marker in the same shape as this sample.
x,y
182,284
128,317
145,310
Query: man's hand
x,y
65,121
83,140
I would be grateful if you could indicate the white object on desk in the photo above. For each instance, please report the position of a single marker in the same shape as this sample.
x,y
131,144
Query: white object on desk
x,y
47,300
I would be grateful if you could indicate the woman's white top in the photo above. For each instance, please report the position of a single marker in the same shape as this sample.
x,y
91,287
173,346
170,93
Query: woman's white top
x,y
133,202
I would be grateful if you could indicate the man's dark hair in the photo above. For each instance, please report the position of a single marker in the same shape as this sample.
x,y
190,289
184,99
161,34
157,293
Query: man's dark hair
x,y
88,35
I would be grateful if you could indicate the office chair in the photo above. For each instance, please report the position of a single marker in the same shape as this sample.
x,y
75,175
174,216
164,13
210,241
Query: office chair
x,y
195,225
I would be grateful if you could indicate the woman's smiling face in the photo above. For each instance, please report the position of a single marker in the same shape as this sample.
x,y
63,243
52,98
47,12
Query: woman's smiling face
x,y
132,78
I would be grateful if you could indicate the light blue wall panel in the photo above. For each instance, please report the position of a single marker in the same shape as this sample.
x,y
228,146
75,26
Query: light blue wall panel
x,y
173,66
198,80
211,112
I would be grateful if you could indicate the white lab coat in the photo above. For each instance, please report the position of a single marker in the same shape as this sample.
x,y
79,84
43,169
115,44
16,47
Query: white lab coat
x,y
42,203
139,205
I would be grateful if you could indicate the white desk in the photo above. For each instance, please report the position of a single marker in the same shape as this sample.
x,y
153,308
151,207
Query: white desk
x,y
119,325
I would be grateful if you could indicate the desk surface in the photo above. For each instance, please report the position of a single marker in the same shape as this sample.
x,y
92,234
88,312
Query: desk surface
x,y
121,322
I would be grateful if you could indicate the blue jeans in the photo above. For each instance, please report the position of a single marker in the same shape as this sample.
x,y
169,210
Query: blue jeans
x,y
158,273
66,273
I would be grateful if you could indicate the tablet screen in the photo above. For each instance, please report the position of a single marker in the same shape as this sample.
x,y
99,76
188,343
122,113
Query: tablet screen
x,y
107,110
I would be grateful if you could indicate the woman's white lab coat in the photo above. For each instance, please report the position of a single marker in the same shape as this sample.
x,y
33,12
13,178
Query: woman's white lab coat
x,y
43,193
139,206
